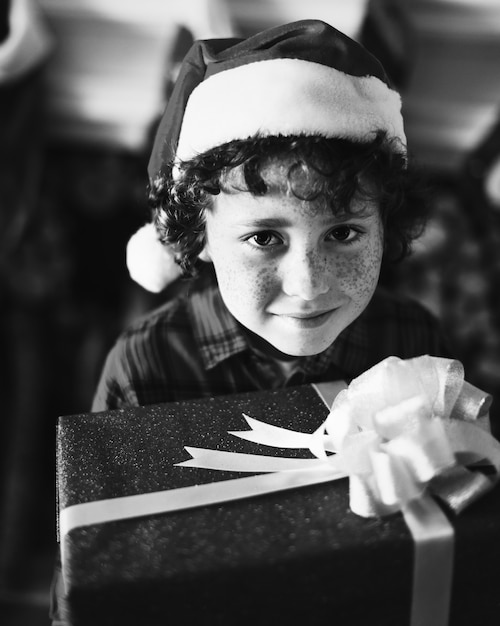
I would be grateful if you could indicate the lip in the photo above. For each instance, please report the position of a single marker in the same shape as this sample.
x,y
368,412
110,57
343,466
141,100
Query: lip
x,y
306,319
306,314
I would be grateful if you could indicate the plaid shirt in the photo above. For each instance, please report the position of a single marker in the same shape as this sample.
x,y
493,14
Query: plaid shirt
x,y
192,347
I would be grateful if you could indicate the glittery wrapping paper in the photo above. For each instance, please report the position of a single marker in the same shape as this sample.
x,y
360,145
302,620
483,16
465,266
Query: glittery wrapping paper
x,y
299,555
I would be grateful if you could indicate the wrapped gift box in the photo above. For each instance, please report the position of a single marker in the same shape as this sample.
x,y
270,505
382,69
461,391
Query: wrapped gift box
x,y
298,555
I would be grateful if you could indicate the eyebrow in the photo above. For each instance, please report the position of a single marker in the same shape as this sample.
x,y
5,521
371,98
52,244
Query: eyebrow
x,y
282,222
267,222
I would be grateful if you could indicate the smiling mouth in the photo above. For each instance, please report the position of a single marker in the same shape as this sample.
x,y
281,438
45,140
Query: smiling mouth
x,y
307,320
306,315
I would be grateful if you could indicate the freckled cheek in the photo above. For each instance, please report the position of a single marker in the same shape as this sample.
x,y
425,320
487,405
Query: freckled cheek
x,y
357,275
247,285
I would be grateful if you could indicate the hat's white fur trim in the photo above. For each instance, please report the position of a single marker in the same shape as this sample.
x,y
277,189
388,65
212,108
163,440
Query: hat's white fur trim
x,y
286,97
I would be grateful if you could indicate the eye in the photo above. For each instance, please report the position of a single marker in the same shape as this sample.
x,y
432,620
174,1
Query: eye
x,y
343,233
264,239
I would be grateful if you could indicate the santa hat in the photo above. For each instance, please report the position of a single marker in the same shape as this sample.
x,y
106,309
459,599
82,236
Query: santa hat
x,y
303,78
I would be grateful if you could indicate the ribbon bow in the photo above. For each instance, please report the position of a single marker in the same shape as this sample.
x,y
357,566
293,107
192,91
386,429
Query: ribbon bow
x,y
407,426
403,428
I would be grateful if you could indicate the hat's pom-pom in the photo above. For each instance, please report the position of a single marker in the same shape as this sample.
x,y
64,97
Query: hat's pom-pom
x,y
150,263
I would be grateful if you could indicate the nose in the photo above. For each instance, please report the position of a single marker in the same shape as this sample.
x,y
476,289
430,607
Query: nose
x,y
305,275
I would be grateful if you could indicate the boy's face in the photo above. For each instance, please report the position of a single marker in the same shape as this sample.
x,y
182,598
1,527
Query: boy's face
x,y
289,270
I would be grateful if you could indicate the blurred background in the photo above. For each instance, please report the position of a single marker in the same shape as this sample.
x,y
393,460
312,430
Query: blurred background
x,y
82,84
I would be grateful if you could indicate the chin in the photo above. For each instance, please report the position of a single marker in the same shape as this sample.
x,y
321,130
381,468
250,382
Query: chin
x,y
302,349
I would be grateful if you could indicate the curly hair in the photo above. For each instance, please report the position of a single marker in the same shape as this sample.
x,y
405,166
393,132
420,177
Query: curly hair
x,y
319,169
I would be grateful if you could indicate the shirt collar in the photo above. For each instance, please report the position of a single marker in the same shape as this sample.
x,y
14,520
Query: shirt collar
x,y
216,331
351,350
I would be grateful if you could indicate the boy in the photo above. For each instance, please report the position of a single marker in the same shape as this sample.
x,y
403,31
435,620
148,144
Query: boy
x,y
279,179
